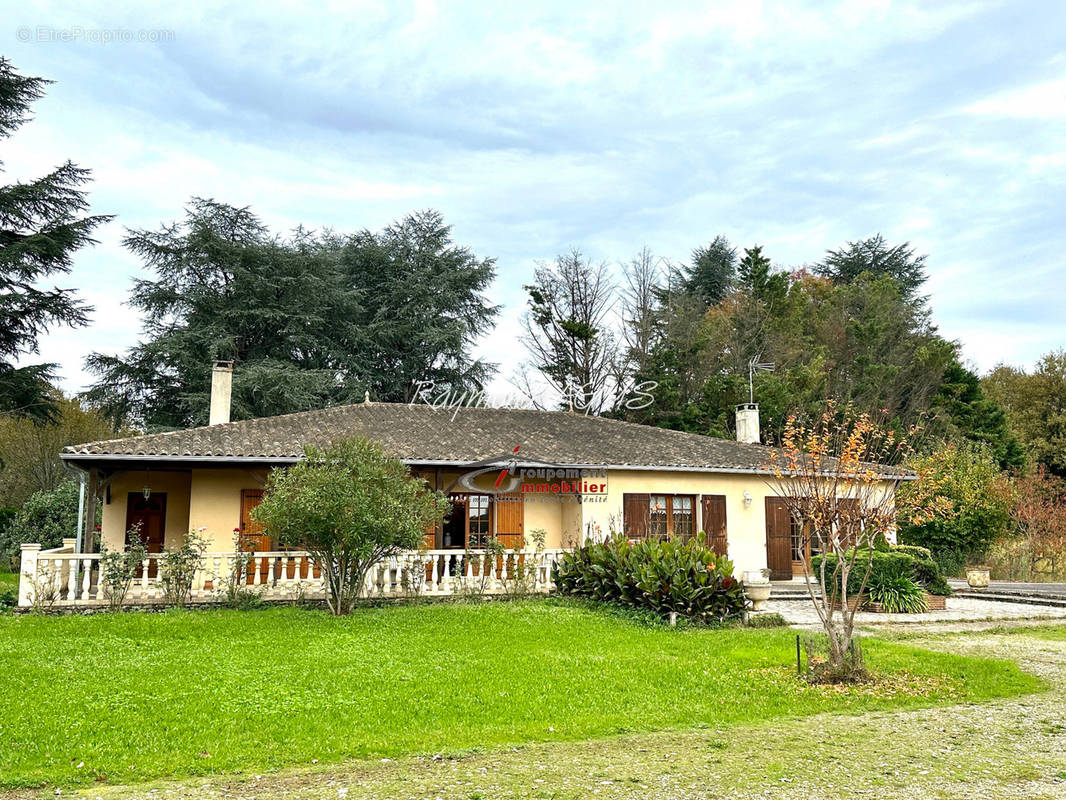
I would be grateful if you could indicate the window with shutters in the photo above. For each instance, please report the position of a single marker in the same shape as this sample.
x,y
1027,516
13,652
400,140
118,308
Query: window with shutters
x,y
659,516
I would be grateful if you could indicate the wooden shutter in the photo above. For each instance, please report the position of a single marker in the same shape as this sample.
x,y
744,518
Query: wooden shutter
x,y
714,526
252,530
510,520
635,515
778,539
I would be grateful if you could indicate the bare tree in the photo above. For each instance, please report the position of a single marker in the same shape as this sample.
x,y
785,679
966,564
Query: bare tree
x,y
567,330
837,477
640,297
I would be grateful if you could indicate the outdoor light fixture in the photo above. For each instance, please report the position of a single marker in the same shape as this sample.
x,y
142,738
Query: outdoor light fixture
x,y
147,492
747,499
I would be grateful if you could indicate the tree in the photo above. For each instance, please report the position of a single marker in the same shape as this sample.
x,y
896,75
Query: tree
x,y
874,257
756,276
1035,403
1039,512
29,451
566,331
349,506
972,497
42,225
834,476
643,286
967,412
422,308
710,275
46,517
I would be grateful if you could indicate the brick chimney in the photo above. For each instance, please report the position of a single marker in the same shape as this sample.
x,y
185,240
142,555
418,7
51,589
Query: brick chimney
x,y
221,388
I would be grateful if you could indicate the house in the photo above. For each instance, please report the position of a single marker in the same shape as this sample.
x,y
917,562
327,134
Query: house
x,y
508,472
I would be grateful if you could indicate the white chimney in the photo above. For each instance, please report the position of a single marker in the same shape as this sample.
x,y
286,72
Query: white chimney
x,y
221,388
748,423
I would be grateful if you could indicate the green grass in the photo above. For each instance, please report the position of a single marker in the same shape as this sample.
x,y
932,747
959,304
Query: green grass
x,y
139,696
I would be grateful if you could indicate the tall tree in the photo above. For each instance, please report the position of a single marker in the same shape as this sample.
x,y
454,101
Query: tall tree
x,y
642,288
967,412
42,225
225,288
566,330
875,257
1035,403
29,451
756,275
423,307
711,273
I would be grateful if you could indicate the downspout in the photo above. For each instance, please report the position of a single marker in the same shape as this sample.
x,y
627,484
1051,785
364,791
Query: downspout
x,y
82,476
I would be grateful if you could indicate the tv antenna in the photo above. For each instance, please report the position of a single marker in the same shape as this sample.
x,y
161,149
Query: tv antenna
x,y
755,366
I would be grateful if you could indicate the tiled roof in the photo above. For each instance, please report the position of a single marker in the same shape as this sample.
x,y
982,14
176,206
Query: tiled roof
x,y
422,433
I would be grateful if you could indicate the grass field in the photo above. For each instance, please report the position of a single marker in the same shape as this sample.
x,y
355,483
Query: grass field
x,y
8,580
136,696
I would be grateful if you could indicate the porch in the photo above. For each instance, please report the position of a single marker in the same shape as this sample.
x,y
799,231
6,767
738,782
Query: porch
x,y
62,577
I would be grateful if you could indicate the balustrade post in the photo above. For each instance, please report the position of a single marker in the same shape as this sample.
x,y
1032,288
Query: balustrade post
x,y
28,573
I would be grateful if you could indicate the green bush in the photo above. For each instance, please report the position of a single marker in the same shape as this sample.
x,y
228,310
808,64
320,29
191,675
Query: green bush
x,y
897,594
662,576
911,550
9,598
923,571
46,517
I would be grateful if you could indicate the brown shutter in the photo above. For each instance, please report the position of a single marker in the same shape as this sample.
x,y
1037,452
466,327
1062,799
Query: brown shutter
x,y
252,530
510,520
635,515
778,539
714,525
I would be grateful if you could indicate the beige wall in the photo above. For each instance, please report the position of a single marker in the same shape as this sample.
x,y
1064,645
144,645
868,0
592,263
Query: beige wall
x,y
211,498
174,484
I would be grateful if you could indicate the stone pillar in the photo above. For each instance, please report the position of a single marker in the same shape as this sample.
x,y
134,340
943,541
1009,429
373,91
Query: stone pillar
x,y
28,573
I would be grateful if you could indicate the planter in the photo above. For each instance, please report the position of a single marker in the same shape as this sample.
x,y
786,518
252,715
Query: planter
x,y
977,577
933,602
758,593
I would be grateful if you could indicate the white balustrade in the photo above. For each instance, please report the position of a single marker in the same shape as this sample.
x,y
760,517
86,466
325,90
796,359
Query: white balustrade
x,y
60,577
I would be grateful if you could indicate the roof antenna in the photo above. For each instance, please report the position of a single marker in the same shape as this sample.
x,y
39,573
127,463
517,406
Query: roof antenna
x,y
756,366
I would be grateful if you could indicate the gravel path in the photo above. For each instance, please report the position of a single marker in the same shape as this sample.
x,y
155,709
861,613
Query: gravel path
x,y
959,609
1012,748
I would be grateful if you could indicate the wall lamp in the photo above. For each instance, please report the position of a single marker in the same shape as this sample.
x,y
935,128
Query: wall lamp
x,y
747,499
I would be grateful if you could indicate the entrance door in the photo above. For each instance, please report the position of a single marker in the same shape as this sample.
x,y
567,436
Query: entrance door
x,y
454,535
778,539
253,539
149,517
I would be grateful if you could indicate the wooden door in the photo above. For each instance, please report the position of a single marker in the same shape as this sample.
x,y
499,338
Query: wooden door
x,y
778,539
714,524
253,538
149,517
510,520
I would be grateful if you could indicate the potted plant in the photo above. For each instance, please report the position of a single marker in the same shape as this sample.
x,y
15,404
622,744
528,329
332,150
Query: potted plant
x,y
757,587
978,577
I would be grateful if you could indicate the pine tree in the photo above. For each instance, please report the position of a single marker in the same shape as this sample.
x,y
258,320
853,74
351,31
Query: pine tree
x,y
42,225
711,273
874,256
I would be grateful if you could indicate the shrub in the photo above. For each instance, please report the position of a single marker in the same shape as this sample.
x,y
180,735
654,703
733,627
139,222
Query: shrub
x,y
897,594
9,598
46,517
350,506
923,571
119,569
178,567
665,577
911,550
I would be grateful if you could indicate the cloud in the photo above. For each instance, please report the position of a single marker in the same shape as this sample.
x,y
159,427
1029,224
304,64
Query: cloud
x,y
541,126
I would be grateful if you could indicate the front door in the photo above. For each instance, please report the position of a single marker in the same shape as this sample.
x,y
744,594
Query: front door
x,y
778,539
454,530
148,517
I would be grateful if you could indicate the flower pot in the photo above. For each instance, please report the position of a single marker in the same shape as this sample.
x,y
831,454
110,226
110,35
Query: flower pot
x,y
977,577
758,593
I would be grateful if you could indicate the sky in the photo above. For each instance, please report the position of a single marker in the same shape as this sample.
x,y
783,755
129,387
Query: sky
x,y
538,127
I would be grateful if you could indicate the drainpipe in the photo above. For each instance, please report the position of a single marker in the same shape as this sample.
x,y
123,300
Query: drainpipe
x,y
82,476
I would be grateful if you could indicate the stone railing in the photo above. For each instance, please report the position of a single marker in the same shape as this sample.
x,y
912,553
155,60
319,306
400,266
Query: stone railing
x,y
61,577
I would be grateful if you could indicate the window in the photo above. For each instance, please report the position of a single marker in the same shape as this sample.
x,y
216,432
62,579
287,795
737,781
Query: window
x,y
480,520
682,514
659,516
805,545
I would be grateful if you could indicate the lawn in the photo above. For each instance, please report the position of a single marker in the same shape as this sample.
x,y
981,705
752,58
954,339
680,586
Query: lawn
x,y
136,696
8,580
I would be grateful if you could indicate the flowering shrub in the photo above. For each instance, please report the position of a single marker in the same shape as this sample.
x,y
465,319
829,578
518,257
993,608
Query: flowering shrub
x,y
663,576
